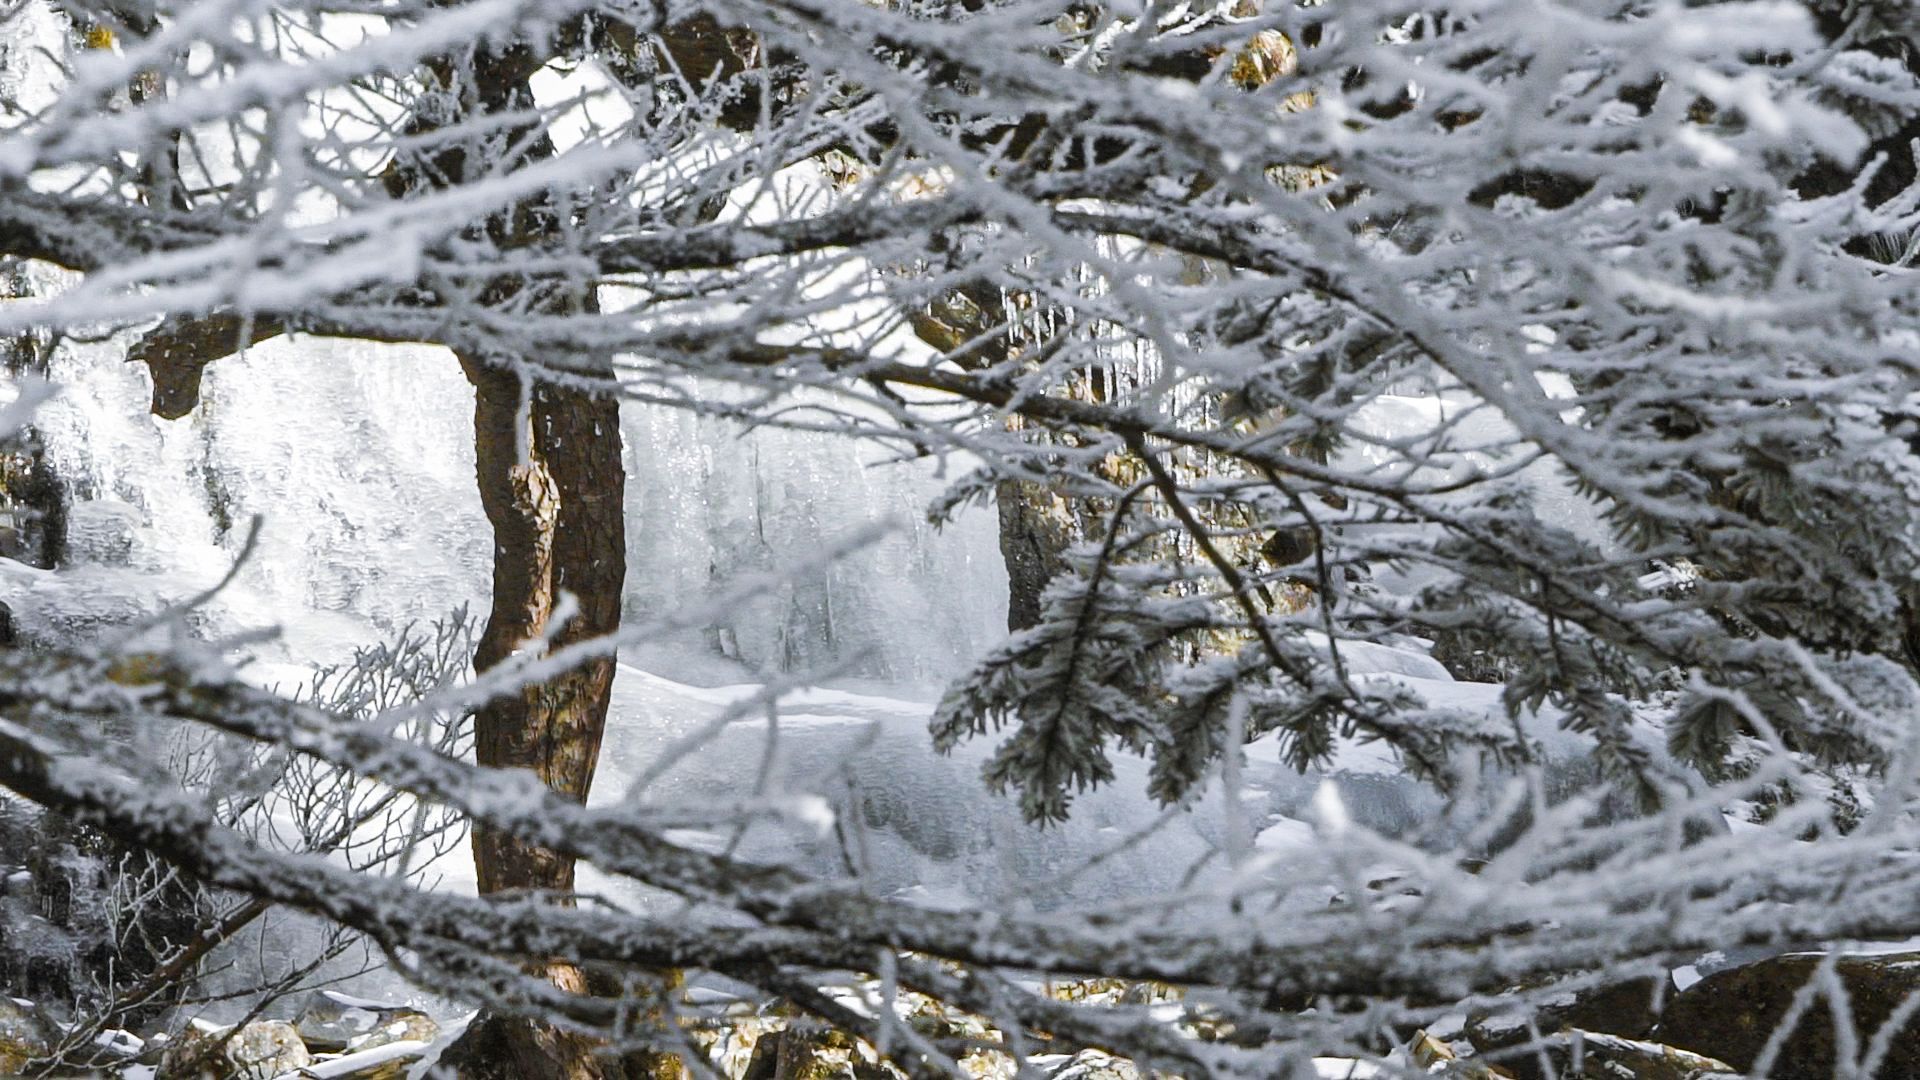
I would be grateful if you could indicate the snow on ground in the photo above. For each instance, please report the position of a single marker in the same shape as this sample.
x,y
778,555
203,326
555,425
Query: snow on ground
x,y
921,825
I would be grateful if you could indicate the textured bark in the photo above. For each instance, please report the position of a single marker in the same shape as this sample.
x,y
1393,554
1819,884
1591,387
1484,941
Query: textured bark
x,y
1035,530
547,458
558,526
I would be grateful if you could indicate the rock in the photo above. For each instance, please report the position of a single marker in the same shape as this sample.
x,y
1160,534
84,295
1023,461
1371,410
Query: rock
x,y
24,1035
1572,1054
155,1051
495,1046
32,503
1435,1058
110,1054
362,1032
1094,1065
331,1023
730,1041
1623,1008
1731,1014
387,1051
800,1053
262,1049
118,1044
407,1026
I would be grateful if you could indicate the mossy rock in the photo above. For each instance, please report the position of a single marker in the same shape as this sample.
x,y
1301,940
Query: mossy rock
x,y
258,1051
24,1036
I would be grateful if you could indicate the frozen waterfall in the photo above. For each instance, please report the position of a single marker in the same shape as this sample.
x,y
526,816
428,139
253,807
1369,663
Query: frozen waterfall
x,y
359,460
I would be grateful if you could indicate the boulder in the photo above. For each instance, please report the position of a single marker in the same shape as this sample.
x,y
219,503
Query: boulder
x,y
1731,1014
1095,1065
331,1023
1624,1008
808,1053
258,1051
24,1035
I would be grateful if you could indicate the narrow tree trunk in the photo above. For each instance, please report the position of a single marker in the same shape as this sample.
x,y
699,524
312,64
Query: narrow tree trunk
x,y
557,525
1035,530
552,484
547,456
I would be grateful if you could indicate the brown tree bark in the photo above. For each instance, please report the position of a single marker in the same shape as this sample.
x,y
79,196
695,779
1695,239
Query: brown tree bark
x,y
1036,528
557,525
547,458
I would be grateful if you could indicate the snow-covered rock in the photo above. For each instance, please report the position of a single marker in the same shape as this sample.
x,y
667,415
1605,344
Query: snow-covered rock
x,y
332,1022
24,1035
258,1051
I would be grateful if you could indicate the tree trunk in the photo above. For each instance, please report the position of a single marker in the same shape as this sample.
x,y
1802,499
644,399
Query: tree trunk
x,y
557,526
1036,527
551,482
547,456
